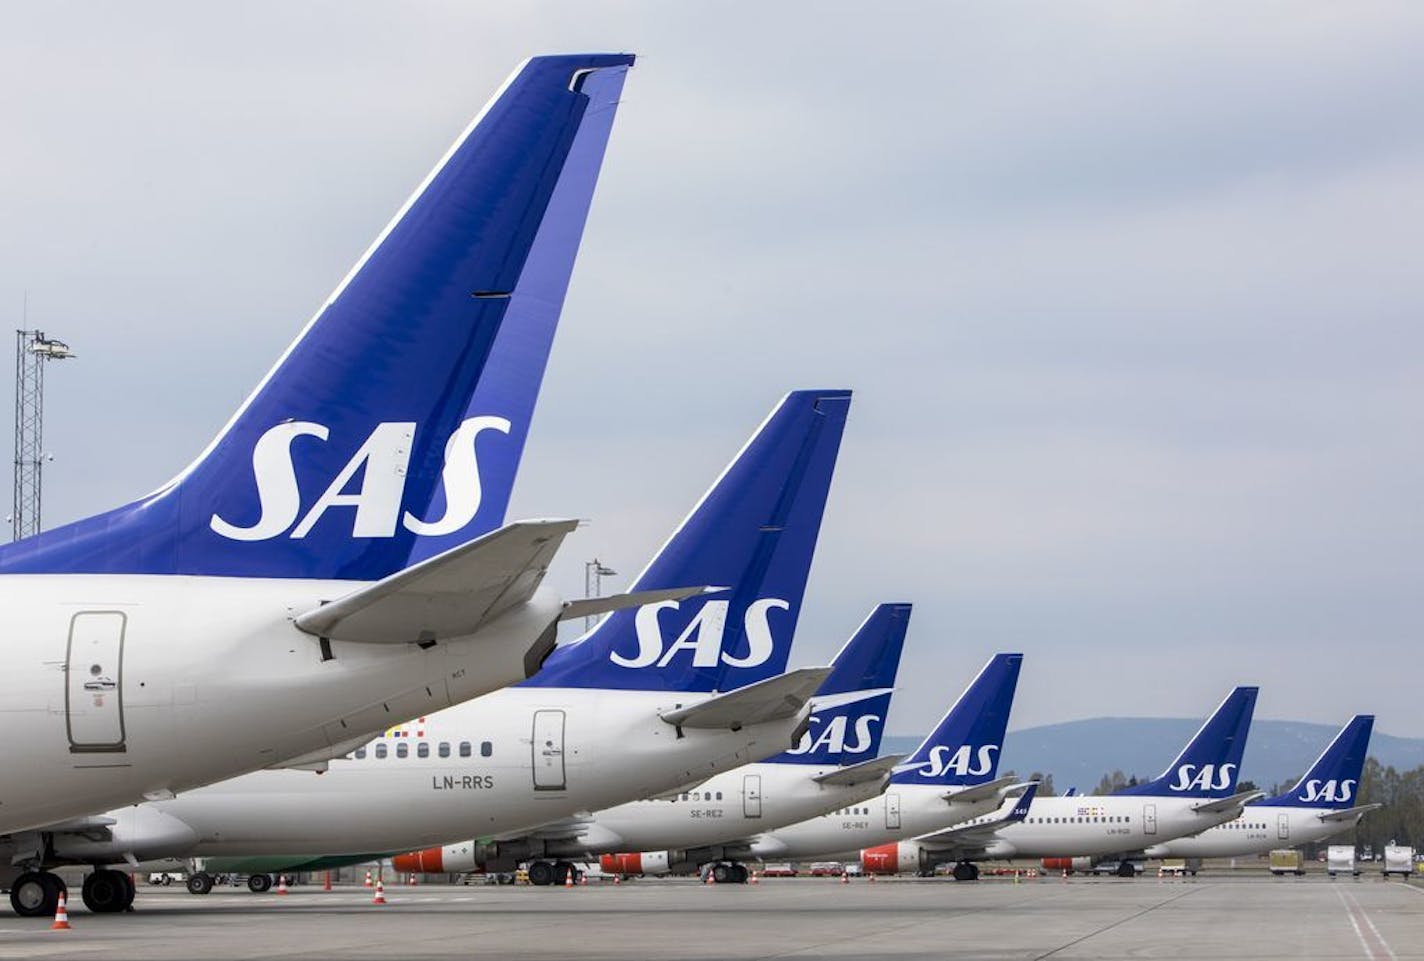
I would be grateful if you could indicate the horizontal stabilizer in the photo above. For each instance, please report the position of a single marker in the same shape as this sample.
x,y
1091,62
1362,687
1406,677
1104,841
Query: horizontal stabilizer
x,y
985,791
875,769
1348,814
1222,805
769,700
594,606
974,837
451,595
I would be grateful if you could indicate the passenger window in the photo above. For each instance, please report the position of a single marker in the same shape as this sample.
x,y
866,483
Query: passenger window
x,y
444,749
381,750
422,749
464,748
486,749
361,752
719,795
402,749
684,797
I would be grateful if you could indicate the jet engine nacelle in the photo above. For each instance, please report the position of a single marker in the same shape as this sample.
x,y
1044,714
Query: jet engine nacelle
x,y
465,856
1068,865
899,857
645,862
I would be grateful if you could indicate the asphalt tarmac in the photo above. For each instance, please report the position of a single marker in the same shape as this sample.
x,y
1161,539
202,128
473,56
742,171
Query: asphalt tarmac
x,y
1215,918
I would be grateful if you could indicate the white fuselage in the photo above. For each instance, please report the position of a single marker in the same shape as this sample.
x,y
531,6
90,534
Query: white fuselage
x,y
181,681
721,817
1259,829
903,811
500,765
1084,825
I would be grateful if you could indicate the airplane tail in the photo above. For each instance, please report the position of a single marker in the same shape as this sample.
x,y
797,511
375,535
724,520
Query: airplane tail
x,y
1333,781
1210,764
753,535
849,709
963,750
391,429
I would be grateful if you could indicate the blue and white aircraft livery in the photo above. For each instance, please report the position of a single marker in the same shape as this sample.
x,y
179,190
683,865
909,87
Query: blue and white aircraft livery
x,y
1321,805
515,760
1195,792
713,820
334,561
950,778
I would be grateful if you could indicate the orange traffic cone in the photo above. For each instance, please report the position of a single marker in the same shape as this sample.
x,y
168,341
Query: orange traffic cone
x,y
411,881
756,879
710,879
583,879
368,879
870,876
569,880
845,877
380,897
281,884
617,880
61,916
326,885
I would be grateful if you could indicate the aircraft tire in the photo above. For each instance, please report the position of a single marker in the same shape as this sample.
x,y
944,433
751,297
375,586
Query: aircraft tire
x,y
200,883
966,871
541,874
739,873
35,894
1126,870
106,891
259,883
722,873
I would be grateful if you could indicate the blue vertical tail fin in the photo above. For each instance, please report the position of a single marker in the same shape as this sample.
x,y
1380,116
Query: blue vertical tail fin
x,y
963,750
392,427
1210,764
849,710
753,533
1333,781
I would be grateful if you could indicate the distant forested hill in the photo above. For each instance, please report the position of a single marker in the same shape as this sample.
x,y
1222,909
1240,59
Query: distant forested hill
x,y
1079,753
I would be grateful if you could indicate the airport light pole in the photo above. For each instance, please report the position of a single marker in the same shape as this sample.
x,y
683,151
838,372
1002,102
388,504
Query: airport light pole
x,y
32,351
593,574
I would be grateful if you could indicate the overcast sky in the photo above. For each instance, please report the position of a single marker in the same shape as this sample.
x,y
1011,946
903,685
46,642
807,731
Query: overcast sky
x,y
1130,296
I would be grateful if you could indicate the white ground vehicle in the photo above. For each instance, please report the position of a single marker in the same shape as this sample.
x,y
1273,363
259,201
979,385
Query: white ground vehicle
x,y
1340,859
1399,860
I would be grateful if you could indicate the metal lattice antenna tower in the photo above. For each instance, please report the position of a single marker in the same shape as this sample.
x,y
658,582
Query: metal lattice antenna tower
x,y
32,351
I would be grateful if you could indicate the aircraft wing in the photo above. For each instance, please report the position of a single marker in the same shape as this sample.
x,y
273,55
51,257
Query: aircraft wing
x,y
982,792
1225,804
1348,814
450,595
877,768
772,699
973,838
318,760
564,829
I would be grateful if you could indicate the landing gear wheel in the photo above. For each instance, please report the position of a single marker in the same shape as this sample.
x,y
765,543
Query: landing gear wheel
x,y
35,894
200,883
739,873
563,871
106,891
259,883
541,873
722,873
130,890
1126,870
966,871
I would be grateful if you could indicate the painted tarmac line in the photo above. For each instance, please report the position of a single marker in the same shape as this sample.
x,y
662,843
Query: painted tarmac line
x,y
1372,942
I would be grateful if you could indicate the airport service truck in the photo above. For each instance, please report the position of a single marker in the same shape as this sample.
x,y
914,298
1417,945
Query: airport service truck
x,y
1340,859
1399,860
1286,861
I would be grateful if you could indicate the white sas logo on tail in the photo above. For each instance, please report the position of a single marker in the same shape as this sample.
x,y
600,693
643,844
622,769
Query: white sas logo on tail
x,y
832,736
1331,791
1210,777
703,635
382,461
963,761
